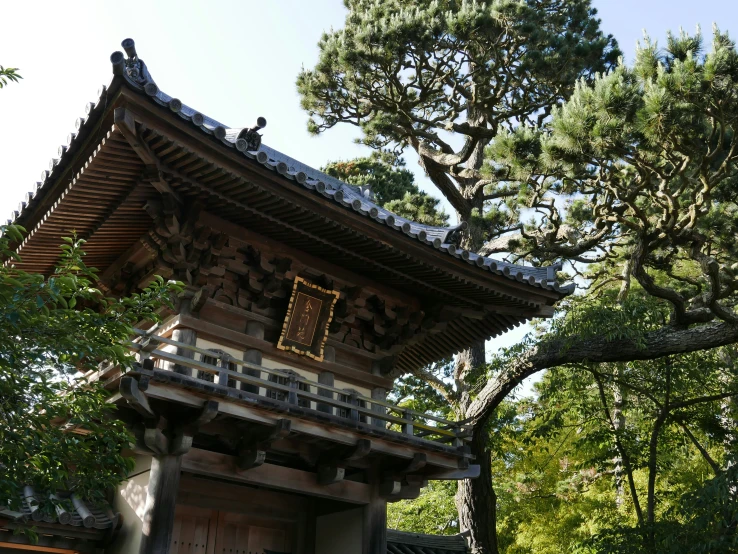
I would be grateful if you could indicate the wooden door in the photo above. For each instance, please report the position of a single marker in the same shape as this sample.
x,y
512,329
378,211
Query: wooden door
x,y
243,534
205,531
194,530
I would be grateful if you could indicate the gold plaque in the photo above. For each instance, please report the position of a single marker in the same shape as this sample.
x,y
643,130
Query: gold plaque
x,y
309,314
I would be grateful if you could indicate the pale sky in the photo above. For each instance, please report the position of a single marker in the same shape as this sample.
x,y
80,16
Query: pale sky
x,y
231,60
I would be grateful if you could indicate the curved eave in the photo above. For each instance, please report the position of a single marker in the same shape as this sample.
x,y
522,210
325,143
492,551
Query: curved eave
x,y
347,196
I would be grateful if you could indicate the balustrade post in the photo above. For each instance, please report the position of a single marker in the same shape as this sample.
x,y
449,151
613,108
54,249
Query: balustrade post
x,y
407,427
292,397
379,393
224,362
325,378
354,401
458,441
253,356
185,336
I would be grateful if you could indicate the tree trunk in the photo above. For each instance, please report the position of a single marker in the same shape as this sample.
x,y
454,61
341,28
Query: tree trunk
x,y
618,422
652,469
476,501
622,453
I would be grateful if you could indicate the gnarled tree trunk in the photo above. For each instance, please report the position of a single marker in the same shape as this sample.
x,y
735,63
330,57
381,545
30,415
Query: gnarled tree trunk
x,y
476,501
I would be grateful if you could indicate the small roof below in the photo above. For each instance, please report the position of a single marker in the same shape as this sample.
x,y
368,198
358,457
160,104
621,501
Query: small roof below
x,y
70,510
401,542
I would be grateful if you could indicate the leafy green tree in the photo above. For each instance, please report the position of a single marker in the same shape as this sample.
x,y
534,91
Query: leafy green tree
x,y
635,182
631,180
445,77
557,472
8,74
393,186
433,512
58,433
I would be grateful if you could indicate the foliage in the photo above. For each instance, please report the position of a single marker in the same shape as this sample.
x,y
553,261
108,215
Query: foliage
x,y
443,77
393,186
57,431
385,174
8,74
637,176
703,521
433,512
410,391
627,173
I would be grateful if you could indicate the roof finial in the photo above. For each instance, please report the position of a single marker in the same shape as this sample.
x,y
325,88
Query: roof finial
x,y
130,47
133,67
250,139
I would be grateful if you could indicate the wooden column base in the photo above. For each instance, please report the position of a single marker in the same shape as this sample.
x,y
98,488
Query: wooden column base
x,y
375,520
158,520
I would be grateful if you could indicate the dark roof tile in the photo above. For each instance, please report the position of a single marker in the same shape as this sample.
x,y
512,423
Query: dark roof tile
x,y
70,510
359,199
401,542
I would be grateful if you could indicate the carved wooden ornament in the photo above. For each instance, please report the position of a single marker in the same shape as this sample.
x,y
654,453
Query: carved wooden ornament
x,y
310,311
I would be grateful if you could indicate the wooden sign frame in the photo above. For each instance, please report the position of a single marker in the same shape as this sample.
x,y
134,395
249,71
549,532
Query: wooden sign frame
x,y
310,312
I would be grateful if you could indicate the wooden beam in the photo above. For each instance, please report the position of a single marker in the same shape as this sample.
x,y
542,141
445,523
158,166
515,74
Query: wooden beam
x,y
471,472
10,546
203,462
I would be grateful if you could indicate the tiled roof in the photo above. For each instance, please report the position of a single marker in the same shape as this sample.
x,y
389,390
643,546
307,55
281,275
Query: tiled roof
x,y
247,141
399,542
69,510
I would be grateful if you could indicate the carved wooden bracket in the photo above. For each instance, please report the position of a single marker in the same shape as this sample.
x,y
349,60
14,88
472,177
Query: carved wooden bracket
x,y
253,447
332,464
160,436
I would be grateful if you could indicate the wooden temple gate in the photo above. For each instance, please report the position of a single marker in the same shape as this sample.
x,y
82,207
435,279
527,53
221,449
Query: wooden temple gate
x,y
259,404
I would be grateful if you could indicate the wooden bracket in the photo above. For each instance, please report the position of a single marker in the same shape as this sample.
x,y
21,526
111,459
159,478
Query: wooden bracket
x,y
253,448
332,464
328,474
420,459
183,434
389,487
160,437
129,389
394,488
406,492
156,441
126,124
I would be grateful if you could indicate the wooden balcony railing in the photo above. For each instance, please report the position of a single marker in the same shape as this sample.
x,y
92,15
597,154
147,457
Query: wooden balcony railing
x,y
284,385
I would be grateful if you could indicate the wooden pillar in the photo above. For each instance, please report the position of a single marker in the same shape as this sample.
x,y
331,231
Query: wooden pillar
x,y
375,519
158,519
253,356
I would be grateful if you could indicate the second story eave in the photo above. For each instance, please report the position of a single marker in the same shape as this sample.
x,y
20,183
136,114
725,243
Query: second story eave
x,y
141,159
